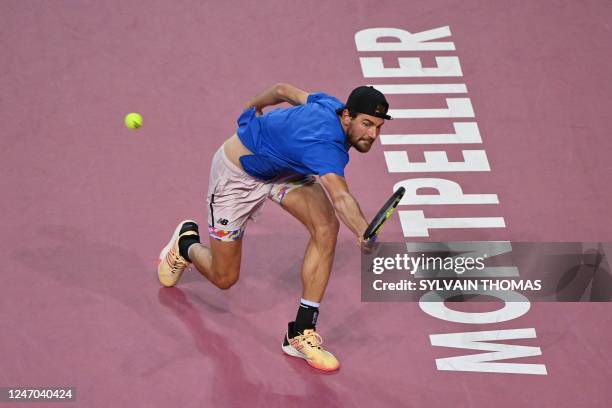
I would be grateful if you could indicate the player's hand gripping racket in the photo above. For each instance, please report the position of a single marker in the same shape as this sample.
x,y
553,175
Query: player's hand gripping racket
x,y
371,233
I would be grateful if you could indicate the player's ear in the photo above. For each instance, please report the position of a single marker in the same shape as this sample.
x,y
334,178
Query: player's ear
x,y
345,117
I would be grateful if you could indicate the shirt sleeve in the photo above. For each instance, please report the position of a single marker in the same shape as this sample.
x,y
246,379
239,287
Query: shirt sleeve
x,y
323,158
326,100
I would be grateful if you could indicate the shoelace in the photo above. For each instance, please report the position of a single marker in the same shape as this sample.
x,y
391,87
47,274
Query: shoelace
x,y
178,263
315,337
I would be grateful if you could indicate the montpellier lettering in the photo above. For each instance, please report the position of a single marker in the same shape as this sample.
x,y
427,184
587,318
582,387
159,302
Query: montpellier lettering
x,y
458,109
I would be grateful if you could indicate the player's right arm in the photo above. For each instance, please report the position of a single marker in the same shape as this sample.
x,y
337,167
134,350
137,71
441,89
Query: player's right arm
x,y
276,94
345,204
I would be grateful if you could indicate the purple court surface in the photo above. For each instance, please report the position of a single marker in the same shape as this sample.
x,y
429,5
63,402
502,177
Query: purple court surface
x,y
524,86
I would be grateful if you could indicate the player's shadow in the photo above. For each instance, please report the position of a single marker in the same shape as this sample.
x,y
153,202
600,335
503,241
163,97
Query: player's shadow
x,y
288,277
270,271
231,385
76,261
589,280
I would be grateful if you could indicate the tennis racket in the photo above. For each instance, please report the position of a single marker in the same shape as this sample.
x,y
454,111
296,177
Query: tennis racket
x,y
371,233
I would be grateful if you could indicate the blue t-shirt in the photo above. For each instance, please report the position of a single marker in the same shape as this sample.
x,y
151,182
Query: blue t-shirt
x,y
303,139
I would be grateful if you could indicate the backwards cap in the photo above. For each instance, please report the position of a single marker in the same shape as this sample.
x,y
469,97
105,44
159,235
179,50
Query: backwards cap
x,y
368,100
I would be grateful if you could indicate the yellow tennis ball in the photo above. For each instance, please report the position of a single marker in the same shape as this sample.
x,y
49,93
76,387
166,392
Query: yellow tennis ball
x,y
133,120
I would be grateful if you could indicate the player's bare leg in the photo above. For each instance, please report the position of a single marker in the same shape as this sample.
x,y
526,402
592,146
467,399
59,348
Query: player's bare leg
x,y
220,263
310,205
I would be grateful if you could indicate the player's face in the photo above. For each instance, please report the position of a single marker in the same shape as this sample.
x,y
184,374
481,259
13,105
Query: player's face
x,y
363,130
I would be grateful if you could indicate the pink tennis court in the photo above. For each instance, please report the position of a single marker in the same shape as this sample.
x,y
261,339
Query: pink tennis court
x,y
500,133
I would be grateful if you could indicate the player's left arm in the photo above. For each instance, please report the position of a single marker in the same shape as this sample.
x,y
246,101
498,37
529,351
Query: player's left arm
x,y
278,93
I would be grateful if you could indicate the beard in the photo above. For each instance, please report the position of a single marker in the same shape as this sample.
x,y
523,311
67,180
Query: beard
x,y
362,146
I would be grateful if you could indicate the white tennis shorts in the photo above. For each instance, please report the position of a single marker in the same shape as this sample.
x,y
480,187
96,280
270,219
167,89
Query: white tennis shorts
x,y
234,197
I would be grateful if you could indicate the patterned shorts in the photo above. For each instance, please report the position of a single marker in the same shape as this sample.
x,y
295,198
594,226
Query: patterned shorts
x,y
234,197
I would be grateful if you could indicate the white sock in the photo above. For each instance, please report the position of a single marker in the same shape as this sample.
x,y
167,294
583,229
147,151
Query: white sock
x,y
189,249
308,302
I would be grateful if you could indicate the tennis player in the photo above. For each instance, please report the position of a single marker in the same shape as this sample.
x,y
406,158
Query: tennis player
x,y
276,156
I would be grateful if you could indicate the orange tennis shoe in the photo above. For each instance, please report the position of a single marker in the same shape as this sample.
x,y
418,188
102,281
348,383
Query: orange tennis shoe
x,y
307,345
171,263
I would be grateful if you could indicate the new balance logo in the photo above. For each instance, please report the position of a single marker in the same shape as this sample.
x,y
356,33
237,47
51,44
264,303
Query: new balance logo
x,y
222,221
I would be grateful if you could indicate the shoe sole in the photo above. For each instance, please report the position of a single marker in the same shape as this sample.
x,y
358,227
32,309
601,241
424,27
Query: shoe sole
x,y
290,351
166,249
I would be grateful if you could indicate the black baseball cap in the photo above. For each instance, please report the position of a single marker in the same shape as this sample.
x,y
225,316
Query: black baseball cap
x,y
368,100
